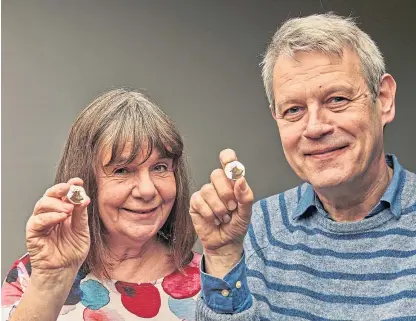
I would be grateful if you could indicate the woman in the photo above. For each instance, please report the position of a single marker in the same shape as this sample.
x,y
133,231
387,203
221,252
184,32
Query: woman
x,y
124,253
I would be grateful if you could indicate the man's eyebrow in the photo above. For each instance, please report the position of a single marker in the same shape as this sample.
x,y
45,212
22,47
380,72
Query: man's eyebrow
x,y
349,90
338,88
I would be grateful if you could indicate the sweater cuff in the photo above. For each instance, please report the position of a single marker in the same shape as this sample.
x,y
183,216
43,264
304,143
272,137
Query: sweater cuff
x,y
228,295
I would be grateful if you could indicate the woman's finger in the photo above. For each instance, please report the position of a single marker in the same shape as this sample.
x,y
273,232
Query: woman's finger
x,y
44,221
50,204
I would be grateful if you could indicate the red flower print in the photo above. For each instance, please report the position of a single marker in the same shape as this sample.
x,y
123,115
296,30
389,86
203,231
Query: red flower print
x,y
182,285
142,299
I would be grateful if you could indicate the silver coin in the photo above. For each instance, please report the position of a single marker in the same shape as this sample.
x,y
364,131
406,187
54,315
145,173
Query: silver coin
x,y
234,170
76,194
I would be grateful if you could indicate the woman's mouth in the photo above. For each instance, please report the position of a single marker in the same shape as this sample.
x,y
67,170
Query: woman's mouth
x,y
141,211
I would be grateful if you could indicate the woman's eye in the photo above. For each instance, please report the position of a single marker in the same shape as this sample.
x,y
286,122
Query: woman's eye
x,y
120,171
160,168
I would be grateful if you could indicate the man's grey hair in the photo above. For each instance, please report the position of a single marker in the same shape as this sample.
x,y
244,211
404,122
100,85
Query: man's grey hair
x,y
327,33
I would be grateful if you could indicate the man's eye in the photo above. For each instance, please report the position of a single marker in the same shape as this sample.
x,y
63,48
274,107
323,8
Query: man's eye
x,y
292,110
337,99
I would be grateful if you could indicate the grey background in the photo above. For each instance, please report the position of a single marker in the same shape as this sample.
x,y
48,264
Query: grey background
x,y
198,59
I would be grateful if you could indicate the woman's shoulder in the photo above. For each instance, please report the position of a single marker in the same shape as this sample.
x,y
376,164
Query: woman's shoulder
x,y
196,260
23,260
20,269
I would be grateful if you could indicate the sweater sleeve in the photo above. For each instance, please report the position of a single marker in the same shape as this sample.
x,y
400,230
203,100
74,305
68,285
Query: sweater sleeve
x,y
204,313
239,305
244,306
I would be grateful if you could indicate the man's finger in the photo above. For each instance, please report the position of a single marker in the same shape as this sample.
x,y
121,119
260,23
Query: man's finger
x,y
224,187
227,156
210,196
200,208
245,198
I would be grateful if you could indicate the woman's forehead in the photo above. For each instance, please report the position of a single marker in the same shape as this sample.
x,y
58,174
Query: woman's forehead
x,y
123,156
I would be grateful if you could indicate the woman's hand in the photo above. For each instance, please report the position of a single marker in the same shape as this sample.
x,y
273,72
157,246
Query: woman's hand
x,y
57,233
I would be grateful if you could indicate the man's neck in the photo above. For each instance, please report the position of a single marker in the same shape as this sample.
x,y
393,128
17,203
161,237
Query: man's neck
x,y
353,203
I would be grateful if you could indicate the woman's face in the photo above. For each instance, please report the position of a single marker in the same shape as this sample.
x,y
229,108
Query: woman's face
x,y
135,201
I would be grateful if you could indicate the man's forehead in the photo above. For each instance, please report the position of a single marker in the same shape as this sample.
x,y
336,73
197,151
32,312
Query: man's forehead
x,y
307,66
303,61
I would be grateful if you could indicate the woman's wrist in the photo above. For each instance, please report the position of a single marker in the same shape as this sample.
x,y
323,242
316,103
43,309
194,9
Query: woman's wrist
x,y
52,281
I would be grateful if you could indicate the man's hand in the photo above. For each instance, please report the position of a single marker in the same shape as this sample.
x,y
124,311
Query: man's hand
x,y
221,212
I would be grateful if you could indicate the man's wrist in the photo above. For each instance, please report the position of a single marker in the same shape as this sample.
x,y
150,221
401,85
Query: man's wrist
x,y
219,263
229,294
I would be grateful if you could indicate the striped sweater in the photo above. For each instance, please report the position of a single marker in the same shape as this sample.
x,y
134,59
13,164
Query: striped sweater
x,y
301,265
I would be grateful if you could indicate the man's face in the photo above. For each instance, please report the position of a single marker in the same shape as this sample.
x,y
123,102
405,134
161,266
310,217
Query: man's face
x,y
330,127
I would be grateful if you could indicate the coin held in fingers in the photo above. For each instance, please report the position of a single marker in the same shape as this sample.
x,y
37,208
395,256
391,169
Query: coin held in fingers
x,y
234,170
76,194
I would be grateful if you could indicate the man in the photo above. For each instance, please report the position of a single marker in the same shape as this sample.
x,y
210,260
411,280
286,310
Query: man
x,y
342,246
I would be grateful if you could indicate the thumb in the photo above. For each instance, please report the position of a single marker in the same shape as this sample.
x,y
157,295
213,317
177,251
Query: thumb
x,y
244,196
79,217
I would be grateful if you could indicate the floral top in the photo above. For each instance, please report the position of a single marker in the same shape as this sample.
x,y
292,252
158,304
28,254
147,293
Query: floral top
x,y
170,298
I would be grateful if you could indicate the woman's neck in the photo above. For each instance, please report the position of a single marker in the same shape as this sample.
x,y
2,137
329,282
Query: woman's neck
x,y
140,264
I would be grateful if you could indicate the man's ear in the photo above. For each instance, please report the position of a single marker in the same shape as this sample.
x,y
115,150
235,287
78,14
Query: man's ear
x,y
386,96
273,110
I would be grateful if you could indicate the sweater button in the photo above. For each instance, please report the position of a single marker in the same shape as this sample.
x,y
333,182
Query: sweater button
x,y
238,284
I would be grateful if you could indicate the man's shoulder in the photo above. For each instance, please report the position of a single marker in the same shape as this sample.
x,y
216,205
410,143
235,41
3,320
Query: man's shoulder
x,y
410,177
289,196
408,191
409,182
278,207
270,215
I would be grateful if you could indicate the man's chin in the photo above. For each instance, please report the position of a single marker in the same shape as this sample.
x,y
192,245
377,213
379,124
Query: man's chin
x,y
327,178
